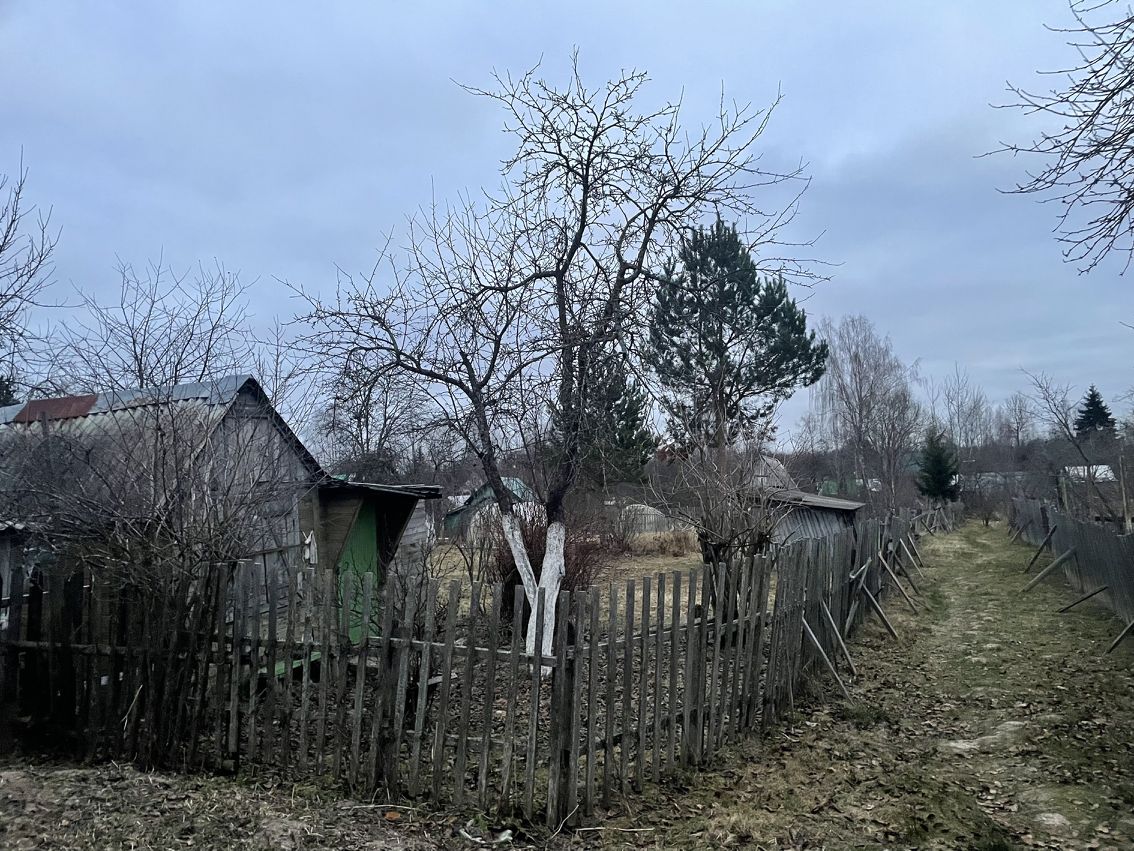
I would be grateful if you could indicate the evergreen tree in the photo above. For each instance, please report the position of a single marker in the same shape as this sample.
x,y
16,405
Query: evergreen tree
x,y
726,343
1093,416
8,390
938,469
617,441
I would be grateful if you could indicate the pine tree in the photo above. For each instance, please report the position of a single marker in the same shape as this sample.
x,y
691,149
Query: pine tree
x,y
617,441
725,342
8,390
1093,416
938,469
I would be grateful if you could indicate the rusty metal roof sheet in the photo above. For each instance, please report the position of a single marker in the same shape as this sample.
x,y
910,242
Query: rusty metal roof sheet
x,y
63,408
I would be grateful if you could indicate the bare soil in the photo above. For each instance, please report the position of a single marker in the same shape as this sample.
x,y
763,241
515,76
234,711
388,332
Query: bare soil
x,y
992,723
117,807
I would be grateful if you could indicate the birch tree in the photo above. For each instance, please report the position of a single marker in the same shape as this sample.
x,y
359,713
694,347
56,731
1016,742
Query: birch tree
x,y
498,305
866,398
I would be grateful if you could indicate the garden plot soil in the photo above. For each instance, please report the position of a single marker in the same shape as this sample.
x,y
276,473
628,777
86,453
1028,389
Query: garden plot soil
x,y
993,723
114,807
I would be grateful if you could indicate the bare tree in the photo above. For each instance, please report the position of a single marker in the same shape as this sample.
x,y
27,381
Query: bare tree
x,y
1016,420
866,400
25,265
1088,153
1054,406
162,329
968,416
497,307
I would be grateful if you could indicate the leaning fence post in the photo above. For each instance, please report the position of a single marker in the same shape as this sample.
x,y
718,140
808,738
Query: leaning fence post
x,y
1039,576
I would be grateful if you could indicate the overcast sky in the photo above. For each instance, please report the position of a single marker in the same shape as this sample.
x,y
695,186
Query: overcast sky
x,y
283,139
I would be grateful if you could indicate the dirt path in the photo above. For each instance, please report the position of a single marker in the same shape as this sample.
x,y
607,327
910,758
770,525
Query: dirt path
x,y
994,723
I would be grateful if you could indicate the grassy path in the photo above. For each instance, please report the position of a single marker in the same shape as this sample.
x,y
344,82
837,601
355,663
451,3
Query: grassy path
x,y
993,723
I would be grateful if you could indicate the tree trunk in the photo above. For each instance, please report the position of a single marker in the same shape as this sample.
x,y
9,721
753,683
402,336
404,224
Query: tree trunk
x,y
515,538
550,579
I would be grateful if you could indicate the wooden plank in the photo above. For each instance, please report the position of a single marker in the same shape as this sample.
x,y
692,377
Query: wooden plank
x,y
407,622
223,669
659,651
360,678
271,645
734,584
326,584
91,721
643,685
826,660
838,637
739,646
627,689
886,566
575,698
674,641
874,604
490,695
256,621
305,713
342,668
453,611
536,673
611,643
1039,550
700,667
466,699
381,759
239,612
592,701
1039,577
10,660
1125,632
687,696
560,712
913,559
286,702
416,769
1082,599
720,612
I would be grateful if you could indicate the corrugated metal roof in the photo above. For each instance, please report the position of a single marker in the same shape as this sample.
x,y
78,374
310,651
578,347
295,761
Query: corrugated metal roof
x,y
222,391
419,491
814,500
128,413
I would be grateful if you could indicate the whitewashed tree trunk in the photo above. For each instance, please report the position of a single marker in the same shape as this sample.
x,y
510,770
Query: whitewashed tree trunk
x,y
550,579
515,538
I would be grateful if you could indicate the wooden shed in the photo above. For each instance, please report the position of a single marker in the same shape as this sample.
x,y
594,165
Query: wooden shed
x,y
176,450
807,515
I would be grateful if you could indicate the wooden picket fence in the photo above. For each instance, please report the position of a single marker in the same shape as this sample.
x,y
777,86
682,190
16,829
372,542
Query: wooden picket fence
x,y
1097,561
435,698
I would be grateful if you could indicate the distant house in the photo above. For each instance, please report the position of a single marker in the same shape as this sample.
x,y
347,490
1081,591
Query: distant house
x,y
1090,473
214,455
480,504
